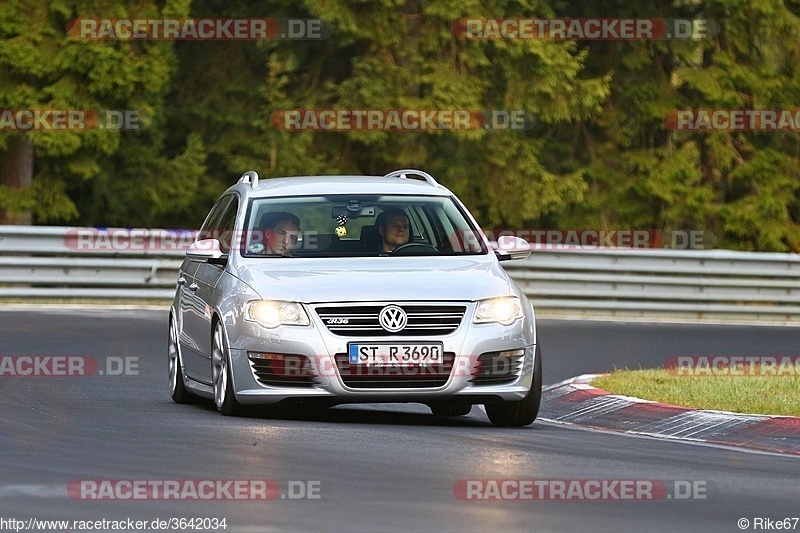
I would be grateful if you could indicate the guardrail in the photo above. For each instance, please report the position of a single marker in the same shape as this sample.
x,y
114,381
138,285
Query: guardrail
x,y
85,263
88,263
705,284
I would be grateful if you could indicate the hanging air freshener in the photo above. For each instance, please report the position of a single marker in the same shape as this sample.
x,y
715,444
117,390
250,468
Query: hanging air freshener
x,y
340,230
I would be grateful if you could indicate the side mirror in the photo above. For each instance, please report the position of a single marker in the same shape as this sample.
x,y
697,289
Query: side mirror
x,y
510,247
207,251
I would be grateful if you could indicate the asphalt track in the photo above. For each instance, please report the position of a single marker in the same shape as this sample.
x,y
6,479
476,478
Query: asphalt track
x,y
379,467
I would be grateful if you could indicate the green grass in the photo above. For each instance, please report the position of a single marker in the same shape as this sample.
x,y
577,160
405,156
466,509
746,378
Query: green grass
x,y
739,394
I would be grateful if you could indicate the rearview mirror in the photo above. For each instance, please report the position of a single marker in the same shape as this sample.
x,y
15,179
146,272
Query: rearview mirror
x,y
353,210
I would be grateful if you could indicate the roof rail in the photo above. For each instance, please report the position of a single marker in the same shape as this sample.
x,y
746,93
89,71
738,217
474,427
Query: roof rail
x,y
412,174
251,177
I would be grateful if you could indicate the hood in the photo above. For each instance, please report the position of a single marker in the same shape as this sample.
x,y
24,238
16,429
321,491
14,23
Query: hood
x,y
316,280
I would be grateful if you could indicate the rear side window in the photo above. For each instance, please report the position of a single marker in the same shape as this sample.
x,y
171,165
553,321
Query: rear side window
x,y
220,222
213,218
226,226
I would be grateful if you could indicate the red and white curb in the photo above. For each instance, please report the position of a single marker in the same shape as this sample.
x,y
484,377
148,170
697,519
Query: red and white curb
x,y
575,402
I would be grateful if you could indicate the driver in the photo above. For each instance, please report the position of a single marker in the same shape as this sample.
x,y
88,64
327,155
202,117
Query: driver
x,y
394,229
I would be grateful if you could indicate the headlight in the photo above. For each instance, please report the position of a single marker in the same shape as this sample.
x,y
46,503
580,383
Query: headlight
x,y
272,314
504,310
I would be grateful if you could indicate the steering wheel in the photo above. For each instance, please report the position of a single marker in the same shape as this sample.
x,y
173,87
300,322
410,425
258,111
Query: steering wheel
x,y
414,248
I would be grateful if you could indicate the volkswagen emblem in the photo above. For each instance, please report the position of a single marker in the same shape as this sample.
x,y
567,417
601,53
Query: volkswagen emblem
x,y
392,318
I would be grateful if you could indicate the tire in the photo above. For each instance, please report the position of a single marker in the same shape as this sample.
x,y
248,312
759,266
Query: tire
x,y
224,397
177,385
522,412
450,409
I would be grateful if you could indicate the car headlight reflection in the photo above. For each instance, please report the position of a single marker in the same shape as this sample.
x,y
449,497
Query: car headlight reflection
x,y
271,314
504,310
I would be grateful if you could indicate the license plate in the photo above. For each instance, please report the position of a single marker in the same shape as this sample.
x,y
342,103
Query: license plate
x,y
395,354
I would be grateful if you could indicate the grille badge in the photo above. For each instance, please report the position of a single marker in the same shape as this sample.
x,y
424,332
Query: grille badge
x,y
393,318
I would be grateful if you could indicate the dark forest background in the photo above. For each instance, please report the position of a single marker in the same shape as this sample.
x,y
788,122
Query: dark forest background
x,y
600,155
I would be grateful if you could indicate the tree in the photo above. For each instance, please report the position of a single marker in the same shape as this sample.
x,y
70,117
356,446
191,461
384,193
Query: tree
x,y
53,176
741,188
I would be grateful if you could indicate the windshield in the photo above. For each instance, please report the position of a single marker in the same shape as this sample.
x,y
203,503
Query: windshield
x,y
358,225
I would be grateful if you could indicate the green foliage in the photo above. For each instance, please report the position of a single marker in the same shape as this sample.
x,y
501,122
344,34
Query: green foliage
x,y
41,67
741,188
45,199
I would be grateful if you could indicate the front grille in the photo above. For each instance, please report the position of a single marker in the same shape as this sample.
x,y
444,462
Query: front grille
x,y
362,320
495,369
283,371
415,377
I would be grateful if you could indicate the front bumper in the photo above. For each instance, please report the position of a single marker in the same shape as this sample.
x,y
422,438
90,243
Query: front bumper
x,y
316,343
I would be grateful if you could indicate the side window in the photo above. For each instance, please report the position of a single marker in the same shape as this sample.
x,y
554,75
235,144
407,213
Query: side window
x,y
213,219
226,226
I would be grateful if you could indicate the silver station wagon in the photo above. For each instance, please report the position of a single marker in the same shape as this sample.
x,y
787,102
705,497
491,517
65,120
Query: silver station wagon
x,y
318,291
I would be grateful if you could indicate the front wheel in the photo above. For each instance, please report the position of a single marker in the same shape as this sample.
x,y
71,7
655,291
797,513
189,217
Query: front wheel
x,y
224,398
524,411
177,386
